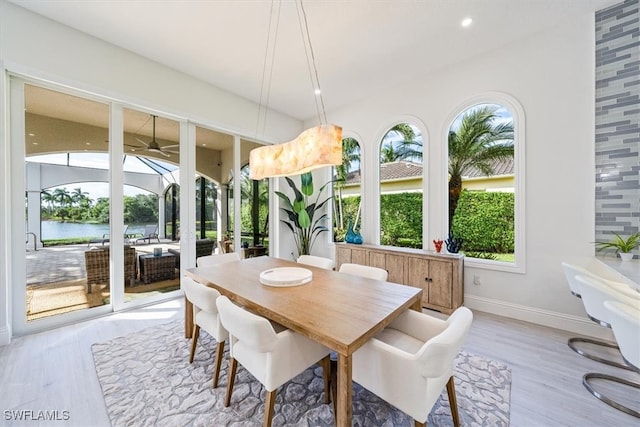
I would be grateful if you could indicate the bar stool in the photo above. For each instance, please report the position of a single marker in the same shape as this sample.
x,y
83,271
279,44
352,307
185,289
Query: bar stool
x,y
625,322
572,272
594,294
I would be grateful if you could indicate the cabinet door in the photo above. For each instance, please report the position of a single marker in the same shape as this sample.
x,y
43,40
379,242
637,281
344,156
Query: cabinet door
x,y
377,259
441,283
395,268
418,276
343,254
359,256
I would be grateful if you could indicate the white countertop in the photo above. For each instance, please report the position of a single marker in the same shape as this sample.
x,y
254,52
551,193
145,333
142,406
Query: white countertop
x,y
629,270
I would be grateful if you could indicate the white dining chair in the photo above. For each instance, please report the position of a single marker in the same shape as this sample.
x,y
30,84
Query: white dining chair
x,y
364,271
272,353
209,260
410,362
205,316
316,261
625,323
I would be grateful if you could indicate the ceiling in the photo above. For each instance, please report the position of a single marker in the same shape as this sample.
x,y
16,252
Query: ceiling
x,y
360,46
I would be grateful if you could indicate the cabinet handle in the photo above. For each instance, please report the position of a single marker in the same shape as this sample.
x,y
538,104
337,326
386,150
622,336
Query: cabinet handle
x,y
428,279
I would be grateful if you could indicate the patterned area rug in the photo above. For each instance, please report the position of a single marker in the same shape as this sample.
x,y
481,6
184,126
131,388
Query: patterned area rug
x,y
147,380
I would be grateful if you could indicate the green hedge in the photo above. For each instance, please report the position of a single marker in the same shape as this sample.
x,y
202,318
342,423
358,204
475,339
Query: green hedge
x,y
401,220
485,220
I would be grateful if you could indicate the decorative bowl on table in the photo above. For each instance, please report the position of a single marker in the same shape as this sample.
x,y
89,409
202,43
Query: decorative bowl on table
x,y
286,276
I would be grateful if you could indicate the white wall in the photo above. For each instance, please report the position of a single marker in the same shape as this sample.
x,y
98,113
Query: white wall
x,y
33,46
31,42
551,75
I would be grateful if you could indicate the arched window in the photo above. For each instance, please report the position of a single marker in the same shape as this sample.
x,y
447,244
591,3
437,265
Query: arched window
x,y
347,190
401,186
484,182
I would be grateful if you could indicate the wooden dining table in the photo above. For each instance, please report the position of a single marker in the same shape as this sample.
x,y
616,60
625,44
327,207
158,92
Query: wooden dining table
x,y
338,310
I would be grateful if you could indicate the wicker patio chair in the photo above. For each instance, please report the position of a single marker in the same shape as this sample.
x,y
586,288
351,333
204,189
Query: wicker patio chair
x,y
97,265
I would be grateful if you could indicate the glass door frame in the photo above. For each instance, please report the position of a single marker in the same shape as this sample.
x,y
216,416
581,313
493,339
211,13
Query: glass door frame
x,y
17,260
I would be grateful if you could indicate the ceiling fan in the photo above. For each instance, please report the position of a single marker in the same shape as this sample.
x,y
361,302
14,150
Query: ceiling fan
x,y
153,145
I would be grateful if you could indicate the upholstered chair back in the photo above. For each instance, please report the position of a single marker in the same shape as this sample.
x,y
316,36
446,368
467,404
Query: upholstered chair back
x,y
209,260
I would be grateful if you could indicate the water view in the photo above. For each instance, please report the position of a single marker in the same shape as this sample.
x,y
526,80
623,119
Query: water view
x,y
53,230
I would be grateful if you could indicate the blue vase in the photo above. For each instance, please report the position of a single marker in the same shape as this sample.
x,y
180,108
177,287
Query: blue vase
x,y
350,236
357,239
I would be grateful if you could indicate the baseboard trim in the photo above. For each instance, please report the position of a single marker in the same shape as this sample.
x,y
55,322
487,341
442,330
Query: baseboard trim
x,y
565,322
5,336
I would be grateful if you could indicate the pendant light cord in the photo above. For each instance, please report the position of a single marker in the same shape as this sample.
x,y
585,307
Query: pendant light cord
x,y
311,62
269,60
274,18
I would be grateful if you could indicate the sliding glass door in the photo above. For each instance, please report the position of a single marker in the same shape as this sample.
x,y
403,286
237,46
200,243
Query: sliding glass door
x,y
96,203
65,269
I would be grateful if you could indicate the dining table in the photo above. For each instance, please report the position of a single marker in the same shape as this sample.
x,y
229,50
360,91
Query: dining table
x,y
338,310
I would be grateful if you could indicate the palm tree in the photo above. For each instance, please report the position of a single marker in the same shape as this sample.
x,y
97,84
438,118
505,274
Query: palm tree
x,y
79,197
50,199
476,143
63,198
407,148
350,155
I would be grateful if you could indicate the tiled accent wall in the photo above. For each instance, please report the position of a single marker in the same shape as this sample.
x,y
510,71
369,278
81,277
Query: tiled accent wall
x,y
617,121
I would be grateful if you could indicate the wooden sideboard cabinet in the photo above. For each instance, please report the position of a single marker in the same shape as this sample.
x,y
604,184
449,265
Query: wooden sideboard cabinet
x,y
439,275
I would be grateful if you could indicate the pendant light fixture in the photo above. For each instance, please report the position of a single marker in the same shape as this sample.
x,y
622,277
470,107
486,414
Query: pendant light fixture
x,y
314,148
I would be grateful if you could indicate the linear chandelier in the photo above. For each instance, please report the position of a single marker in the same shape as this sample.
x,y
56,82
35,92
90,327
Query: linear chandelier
x,y
314,148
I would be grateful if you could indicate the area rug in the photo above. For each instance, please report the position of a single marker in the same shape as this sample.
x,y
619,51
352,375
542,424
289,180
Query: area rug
x,y
147,380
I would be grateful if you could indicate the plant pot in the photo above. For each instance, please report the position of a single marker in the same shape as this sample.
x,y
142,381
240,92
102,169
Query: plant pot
x,y
626,256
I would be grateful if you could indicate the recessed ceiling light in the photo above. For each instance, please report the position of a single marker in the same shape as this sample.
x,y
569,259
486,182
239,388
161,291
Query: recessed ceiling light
x,y
317,91
32,134
34,143
87,143
466,22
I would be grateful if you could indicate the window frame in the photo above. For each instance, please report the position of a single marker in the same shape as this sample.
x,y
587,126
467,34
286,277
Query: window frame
x,y
331,219
519,143
375,204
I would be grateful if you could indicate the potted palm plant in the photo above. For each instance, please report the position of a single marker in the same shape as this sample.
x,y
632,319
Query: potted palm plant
x,y
622,246
301,212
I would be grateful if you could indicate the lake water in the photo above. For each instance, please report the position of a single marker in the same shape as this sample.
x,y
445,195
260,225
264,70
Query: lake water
x,y
66,230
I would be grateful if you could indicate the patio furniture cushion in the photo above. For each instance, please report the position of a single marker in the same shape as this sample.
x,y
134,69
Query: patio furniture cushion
x,y
204,247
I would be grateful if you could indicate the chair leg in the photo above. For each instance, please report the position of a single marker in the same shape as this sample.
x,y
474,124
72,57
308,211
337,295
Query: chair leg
x,y
453,404
326,373
419,424
571,343
268,407
608,400
216,369
233,365
194,341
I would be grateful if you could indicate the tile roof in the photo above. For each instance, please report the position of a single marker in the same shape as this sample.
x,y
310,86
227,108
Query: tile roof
x,y
403,170
500,167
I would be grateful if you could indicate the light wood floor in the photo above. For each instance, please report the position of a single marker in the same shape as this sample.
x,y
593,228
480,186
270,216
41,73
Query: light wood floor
x,y
54,370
